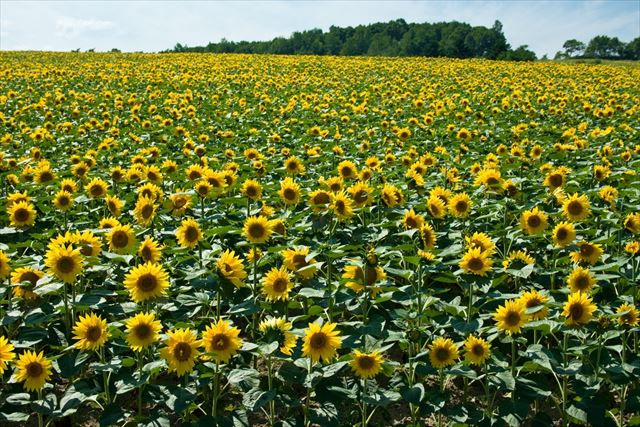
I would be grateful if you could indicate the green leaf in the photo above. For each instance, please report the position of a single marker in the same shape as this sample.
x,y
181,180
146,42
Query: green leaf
x,y
256,398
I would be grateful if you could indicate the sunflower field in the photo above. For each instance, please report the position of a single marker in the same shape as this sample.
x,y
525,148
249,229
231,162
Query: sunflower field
x,y
242,240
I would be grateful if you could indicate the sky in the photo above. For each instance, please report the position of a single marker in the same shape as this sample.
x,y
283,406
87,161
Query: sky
x,y
151,26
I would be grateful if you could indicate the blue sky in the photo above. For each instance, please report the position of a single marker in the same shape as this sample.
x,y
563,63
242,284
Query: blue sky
x,y
156,25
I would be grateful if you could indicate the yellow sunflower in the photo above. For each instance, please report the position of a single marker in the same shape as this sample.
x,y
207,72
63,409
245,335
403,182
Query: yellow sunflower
x,y
535,302
460,205
6,354
5,266
64,262
150,250
97,188
511,316
34,369
231,268
145,211
436,207
22,214
476,350
428,236
481,241
277,284
278,329
632,223
252,189
533,221
321,342
221,340
628,316
563,234
356,276
63,200
391,196
576,208
121,239
578,309
114,205
146,281
477,262
581,280
295,260
320,200
361,194
289,191
347,169
587,253
91,332
142,330
189,233
25,275
257,229
181,350
443,352
366,365
342,206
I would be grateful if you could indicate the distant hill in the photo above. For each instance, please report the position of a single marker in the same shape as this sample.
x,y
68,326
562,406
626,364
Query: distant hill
x,y
393,38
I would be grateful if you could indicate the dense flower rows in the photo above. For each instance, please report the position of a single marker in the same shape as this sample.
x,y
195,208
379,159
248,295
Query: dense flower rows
x,y
318,241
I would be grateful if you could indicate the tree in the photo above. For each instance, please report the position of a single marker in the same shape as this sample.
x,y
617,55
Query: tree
x,y
522,53
604,47
632,49
573,48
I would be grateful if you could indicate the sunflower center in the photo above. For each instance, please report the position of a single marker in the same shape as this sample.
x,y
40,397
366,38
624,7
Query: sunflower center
x,y
146,253
475,264
478,350
534,221
220,342
512,318
63,200
299,260
318,341
411,222
340,206
335,187
34,369
582,283
321,199
147,211
191,234
461,206
65,264
361,196
586,250
280,285
96,190
492,181
143,331
562,234
147,282
555,180
346,172
256,231
120,239
575,208
182,352
576,311
442,354
94,333
251,191
21,215
29,277
366,362
289,193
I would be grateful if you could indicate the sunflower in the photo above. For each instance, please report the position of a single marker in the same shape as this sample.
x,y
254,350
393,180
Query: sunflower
x,y
578,309
230,267
563,234
277,284
334,183
22,214
632,247
189,233
490,178
91,332
296,260
22,275
63,200
576,208
145,211
533,221
476,350
278,329
320,200
34,369
5,266
511,316
460,205
121,239
628,316
442,353
366,365
518,260
252,189
294,165
97,188
221,340
436,207
289,191
428,236
477,262
68,185
555,179
146,281
361,194
321,342
179,202
108,222
412,220
181,350
632,223
6,354
342,206
581,280
203,188
142,330
357,281
257,229
87,243
347,169
150,250
481,241
587,253
535,302
64,262
114,205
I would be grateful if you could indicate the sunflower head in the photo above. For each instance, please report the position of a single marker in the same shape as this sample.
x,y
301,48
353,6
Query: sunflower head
x,y
121,238
222,340
563,234
477,262
257,229
146,281
22,214
181,350
366,365
34,369
578,309
64,262
231,268
277,284
278,329
321,342
511,316
533,221
443,352
189,233
91,332
142,330
477,350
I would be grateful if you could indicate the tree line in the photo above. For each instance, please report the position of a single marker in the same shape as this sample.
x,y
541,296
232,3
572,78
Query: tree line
x,y
393,38
600,47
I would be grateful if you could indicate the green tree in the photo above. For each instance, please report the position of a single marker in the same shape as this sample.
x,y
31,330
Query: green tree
x,y
604,47
573,48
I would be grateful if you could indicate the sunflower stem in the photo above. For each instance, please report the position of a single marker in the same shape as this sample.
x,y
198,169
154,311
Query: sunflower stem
x,y
105,377
487,397
141,385
470,302
272,403
216,390
40,421
364,402
67,318
308,397
565,343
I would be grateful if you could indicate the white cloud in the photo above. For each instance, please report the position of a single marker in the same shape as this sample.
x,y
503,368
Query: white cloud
x,y
72,27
